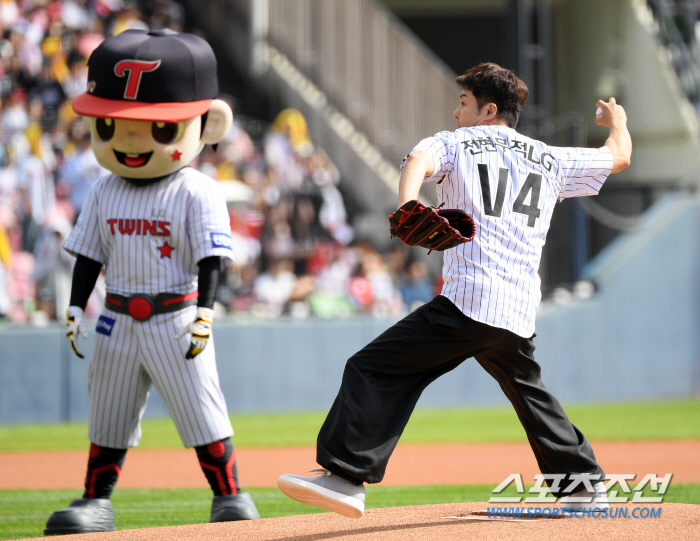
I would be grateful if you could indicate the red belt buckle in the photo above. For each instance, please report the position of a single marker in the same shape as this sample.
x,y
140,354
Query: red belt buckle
x,y
140,307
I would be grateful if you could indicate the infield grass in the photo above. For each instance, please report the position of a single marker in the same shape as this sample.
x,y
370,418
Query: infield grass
x,y
23,513
662,420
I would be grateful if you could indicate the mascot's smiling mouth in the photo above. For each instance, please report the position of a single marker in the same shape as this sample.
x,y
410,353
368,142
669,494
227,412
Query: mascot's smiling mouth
x,y
133,160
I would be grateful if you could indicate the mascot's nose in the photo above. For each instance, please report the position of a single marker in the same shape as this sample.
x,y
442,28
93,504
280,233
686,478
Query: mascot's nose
x,y
131,135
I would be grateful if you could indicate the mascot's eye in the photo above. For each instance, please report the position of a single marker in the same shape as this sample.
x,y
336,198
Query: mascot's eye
x,y
105,128
165,132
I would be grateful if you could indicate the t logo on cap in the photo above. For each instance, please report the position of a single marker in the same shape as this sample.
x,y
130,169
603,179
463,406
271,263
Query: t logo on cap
x,y
136,68
160,75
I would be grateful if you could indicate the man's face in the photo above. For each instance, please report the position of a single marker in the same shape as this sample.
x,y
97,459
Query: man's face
x,y
468,113
143,149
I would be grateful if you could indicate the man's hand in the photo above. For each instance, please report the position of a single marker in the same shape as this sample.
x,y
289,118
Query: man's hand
x,y
75,326
200,330
619,142
611,113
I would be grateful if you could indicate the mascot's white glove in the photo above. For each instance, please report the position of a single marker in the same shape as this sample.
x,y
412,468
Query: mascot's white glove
x,y
75,326
200,330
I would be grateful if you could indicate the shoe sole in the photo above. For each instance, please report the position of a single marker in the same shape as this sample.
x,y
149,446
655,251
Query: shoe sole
x,y
72,531
311,494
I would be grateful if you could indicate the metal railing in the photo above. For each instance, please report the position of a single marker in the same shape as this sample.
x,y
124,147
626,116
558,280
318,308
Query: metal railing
x,y
393,88
676,32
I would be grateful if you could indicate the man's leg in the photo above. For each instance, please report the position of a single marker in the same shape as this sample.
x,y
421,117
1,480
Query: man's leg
x,y
559,447
380,388
382,383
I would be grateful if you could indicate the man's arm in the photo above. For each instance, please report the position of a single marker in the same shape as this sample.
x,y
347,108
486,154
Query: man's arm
x,y
416,167
619,142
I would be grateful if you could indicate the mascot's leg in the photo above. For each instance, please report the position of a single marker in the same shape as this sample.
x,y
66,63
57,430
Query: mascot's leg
x,y
218,462
93,512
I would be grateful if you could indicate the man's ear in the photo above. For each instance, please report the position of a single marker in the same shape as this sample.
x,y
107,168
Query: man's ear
x,y
492,111
219,121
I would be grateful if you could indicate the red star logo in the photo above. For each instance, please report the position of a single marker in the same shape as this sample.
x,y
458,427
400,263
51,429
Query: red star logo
x,y
176,156
165,250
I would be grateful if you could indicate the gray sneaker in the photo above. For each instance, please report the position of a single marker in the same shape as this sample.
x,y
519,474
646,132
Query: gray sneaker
x,y
82,516
326,490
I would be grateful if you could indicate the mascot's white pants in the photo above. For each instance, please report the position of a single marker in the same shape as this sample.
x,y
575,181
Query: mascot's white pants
x,y
128,356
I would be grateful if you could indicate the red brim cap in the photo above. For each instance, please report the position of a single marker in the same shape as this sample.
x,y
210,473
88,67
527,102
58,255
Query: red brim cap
x,y
88,105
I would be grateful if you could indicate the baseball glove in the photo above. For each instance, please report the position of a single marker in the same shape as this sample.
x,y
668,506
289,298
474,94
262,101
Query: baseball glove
x,y
430,227
200,329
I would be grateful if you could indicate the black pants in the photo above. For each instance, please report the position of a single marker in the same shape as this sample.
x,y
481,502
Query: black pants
x,y
383,381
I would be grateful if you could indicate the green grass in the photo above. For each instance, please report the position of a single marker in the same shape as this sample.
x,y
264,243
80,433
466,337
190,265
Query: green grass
x,y
664,420
23,513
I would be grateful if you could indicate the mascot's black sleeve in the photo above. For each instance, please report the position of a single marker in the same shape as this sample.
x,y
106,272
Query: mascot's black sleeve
x,y
209,274
85,276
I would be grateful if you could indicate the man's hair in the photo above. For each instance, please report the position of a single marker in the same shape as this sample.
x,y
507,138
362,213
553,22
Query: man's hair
x,y
490,83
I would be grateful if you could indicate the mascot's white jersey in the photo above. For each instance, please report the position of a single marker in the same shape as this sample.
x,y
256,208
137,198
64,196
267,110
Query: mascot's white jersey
x,y
150,238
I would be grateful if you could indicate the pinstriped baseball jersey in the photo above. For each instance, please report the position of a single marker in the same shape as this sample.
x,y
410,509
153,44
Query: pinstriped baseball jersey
x,y
510,183
150,238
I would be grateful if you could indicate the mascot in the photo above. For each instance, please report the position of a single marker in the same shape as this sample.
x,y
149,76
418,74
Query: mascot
x,y
161,231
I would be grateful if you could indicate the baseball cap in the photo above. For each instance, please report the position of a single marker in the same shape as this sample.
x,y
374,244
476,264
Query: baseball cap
x,y
156,75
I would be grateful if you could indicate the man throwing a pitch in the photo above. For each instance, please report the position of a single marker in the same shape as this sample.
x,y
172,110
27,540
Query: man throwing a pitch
x,y
509,183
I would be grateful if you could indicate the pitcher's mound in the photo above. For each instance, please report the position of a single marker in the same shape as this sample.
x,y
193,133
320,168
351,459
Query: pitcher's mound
x,y
671,521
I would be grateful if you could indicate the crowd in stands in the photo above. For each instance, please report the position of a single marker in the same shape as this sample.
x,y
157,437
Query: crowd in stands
x,y
295,252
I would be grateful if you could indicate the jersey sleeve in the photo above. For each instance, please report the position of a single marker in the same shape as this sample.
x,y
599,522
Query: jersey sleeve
x,y
582,170
441,147
85,238
210,226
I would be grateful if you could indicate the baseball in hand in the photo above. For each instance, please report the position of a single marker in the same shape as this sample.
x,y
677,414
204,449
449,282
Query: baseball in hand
x,y
598,112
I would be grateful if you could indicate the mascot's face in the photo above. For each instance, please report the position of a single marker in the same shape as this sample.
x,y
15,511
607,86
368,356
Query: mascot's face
x,y
144,149
145,97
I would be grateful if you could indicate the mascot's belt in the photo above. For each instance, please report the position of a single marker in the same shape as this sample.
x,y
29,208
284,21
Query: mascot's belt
x,y
141,307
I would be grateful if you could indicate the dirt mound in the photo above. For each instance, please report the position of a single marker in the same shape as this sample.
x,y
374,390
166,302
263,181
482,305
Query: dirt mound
x,y
432,522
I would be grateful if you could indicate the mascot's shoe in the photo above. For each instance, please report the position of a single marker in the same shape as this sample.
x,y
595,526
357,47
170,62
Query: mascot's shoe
x,y
234,507
584,499
82,516
328,491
